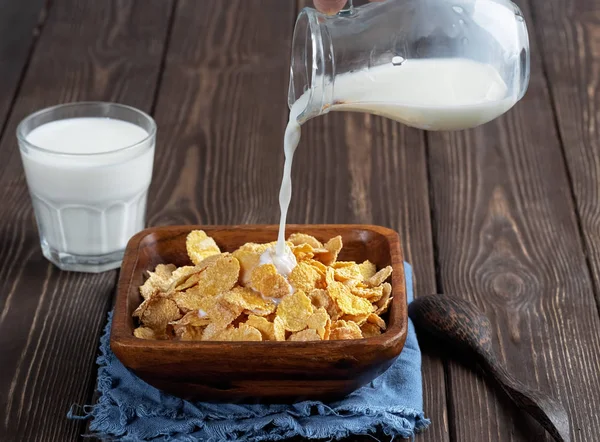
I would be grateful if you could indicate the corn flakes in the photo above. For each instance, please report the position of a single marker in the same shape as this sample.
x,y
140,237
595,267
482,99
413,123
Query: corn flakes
x,y
345,330
200,246
158,280
303,252
249,300
279,329
212,330
318,321
319,266
179,276
189,333
157,312
294,310
242,333
367,269
164,271
233,297
269,283
190,282
373,294
144,333
370,330
347,271
249,258
219,276
347,302
299,239
190,327
223,313
379,277
266,327
329,252
358,319
194,319
192,299
377,320
305,277
321,298
383,303
305,335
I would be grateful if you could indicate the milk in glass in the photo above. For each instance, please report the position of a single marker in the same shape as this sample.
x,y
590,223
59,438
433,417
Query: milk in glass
x,y
88,178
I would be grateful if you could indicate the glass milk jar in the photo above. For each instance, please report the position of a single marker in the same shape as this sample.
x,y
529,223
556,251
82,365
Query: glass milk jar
x,y
431,64
88,168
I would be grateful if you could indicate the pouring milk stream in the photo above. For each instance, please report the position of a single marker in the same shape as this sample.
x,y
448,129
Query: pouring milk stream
x,y
432,93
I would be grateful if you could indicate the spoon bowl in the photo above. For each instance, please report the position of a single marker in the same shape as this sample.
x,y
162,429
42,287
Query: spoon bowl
x,y
461,325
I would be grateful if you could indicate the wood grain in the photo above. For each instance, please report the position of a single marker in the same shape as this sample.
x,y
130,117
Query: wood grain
x,y
569,35
20,23
50,321
508,240
221,113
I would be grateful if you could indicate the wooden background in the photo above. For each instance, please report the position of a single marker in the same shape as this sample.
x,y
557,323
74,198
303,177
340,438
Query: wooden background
x,y
506,215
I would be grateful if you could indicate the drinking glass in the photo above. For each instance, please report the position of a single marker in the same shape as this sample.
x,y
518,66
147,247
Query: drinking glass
x,y
88,205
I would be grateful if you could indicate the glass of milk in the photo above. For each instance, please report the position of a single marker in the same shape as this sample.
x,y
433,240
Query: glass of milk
x,y
88,167
431,64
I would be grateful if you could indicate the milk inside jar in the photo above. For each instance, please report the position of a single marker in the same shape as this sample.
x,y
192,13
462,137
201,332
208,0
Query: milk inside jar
x,y
88,178
432,94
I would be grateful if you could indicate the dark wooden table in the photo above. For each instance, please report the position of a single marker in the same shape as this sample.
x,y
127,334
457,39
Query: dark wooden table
x,y
506,215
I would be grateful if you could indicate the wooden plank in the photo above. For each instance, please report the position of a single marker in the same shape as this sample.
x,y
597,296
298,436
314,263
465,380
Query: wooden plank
x,y
19,23
50,321
508,240
222,111
361,168
569,35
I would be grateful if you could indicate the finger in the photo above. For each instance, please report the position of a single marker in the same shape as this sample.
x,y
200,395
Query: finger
x,y
329,6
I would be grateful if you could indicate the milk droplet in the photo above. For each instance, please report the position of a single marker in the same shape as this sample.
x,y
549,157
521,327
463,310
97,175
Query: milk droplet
x,y
458,9
397,60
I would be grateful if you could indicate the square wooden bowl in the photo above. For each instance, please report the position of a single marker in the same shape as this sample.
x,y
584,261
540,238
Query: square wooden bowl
x,y
246,371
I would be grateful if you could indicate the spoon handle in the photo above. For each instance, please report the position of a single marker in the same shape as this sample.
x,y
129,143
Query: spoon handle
x,y
461,326
549,413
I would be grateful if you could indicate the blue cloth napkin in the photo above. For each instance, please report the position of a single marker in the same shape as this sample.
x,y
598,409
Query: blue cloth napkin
x,y
131,410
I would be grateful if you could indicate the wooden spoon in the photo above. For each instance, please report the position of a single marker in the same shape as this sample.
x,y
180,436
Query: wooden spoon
x,y
464,327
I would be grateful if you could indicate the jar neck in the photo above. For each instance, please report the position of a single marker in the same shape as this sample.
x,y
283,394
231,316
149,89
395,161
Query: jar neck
x,y
312,70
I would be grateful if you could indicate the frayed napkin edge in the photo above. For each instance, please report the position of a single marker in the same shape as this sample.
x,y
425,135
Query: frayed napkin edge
x,y
281,425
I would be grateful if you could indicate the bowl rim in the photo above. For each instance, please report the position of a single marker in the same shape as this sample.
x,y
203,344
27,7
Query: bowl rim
x,y
121,336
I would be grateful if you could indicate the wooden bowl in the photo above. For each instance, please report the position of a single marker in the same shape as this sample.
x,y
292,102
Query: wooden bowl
x,y
243,371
